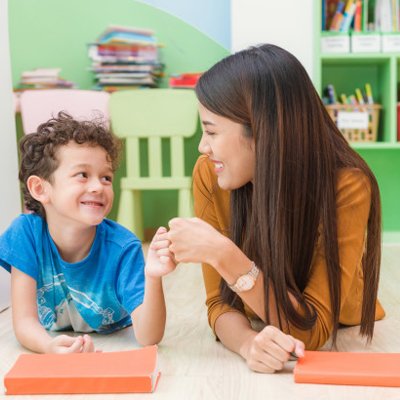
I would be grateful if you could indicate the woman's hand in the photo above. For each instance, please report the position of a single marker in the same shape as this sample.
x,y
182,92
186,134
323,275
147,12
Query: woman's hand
x,y
196,241
270,349
160,260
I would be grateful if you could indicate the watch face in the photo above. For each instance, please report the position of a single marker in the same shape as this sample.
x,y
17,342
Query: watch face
x,y
245,282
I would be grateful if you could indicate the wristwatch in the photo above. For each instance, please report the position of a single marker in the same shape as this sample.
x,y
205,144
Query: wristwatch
x,y
247,281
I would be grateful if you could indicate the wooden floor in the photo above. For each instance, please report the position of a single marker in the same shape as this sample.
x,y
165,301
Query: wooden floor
x,y
195,366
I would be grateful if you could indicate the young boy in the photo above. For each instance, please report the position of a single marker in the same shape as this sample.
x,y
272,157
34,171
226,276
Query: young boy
x,y
70,267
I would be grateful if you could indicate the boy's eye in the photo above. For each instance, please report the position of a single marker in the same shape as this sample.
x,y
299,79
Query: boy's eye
x,y
108,178
81,175
209,133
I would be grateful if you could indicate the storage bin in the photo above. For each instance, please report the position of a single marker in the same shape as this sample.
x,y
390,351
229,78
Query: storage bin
x,y
358,123
335,42
365,42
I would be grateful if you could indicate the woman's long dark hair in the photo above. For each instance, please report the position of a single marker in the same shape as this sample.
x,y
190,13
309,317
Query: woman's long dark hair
x,y
299,150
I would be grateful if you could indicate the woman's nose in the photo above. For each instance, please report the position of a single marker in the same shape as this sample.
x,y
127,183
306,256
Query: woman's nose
x,y
204,147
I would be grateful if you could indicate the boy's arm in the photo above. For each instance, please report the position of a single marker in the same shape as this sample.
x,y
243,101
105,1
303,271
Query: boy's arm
x,y
28,330
149,318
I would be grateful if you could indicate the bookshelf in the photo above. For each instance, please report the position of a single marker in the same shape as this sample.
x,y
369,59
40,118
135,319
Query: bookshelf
x,y
347,71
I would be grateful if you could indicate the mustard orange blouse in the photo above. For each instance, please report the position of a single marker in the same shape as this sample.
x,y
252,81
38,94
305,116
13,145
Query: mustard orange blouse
x,y
211,204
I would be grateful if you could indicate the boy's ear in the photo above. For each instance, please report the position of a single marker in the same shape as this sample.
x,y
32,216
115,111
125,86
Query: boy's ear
x,y
37,187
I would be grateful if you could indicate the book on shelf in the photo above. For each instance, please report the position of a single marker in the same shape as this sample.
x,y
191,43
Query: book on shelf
x,y
347,368
128,29
104,68
43,78
42,73
147,80
361,15
348,15
133,371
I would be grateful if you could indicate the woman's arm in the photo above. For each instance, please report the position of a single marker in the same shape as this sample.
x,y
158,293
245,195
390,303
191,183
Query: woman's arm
x,y
194,240
28,330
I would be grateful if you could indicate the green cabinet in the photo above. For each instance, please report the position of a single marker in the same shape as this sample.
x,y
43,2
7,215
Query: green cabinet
x,y
348,71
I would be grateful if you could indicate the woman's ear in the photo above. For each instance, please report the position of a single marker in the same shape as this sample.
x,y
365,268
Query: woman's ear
x,y
38,188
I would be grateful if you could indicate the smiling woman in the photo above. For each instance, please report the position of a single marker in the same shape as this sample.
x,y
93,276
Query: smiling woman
x,y
288,227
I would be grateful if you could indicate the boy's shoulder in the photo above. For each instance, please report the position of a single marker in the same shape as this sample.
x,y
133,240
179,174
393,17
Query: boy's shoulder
x,y
32,222
118,234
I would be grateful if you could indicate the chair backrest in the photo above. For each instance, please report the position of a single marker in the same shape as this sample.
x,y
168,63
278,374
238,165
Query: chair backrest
x,y
37,106
154,114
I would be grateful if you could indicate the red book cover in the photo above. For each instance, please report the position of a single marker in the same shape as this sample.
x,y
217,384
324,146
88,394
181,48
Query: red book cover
x,y
346,368
133,371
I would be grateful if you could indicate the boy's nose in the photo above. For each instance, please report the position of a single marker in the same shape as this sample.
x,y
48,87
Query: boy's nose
x,y
95,186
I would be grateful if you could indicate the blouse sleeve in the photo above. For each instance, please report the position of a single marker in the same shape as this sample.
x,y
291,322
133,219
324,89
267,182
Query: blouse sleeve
x,y
212,206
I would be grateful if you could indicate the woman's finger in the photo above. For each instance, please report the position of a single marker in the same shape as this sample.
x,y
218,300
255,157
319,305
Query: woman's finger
x,y
271,333
276,351
258,366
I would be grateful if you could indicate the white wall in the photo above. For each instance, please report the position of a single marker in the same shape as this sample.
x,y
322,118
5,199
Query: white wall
x,y
9,188
286,23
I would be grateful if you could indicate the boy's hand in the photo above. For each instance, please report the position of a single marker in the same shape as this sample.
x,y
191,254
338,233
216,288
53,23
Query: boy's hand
x,y
63,344
160,260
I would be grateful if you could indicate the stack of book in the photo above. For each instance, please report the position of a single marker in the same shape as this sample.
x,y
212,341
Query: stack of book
x,y
44,78
125,57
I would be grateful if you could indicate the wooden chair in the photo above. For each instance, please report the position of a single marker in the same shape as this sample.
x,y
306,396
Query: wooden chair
x,y
37,106
153,114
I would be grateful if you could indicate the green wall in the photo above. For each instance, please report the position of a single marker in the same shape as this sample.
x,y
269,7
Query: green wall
x,y
55,33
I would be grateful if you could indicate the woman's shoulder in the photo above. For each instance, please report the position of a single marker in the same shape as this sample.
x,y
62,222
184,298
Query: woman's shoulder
x,y
352,184
203,174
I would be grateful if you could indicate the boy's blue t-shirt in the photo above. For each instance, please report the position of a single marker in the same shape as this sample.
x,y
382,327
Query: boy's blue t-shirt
x,y
98,292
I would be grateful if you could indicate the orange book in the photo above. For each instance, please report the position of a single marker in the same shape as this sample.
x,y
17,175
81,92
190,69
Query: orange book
x,y
113,372
341,368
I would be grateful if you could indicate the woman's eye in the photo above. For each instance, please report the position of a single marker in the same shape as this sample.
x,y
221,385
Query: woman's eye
x,y
210,133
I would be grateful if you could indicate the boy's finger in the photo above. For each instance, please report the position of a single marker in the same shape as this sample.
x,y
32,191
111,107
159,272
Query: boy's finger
x,y
165,259
65,340
88,345
77,345
163,252
161,244
161,236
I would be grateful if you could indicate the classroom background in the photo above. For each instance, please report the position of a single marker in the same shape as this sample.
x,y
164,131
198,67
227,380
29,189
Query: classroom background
x,y
193,36
350,49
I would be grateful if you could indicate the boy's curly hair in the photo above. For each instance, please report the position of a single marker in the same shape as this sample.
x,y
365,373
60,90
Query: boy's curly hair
x,y
39,150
